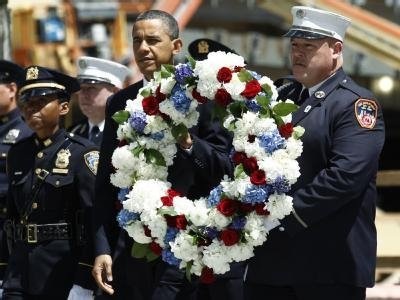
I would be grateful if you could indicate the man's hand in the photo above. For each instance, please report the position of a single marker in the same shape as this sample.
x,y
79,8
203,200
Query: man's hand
x,y
102,273
186,142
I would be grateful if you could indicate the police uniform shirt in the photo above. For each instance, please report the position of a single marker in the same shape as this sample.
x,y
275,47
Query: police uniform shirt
x,y
12,130
85,129
71,163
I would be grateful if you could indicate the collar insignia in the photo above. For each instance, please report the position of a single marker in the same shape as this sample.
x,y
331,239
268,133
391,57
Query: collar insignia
x,y
62,160
366,111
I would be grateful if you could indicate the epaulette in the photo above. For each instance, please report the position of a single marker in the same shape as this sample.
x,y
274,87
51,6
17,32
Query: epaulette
x,y
78,139
360,91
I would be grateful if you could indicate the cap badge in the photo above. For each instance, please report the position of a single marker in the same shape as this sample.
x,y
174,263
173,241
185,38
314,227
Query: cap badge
x,y
202,47
62,160
82,64
300,14
32,73
366,111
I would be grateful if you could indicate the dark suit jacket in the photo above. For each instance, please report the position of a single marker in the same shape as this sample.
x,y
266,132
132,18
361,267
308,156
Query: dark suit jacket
x,y
193,175
333,239
82,129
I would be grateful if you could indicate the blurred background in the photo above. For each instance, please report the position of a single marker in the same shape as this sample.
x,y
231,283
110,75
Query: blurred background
x,y
54,33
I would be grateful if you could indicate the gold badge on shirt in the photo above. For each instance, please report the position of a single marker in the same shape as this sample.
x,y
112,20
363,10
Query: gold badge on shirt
x,y
62,161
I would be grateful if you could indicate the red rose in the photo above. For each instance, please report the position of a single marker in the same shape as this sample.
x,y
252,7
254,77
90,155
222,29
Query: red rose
x,y
168,200
251,138
179,221
238,157
286,130
250,165
237,69
222,97
224,75
259,207
160,96
258,177
196,95
203,241
207,275
228,207
155,248
122,143
246,207
147,231
172,193
150,105
229,237
252,89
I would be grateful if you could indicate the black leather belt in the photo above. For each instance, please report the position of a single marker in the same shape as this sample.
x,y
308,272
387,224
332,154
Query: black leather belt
x,y
35,233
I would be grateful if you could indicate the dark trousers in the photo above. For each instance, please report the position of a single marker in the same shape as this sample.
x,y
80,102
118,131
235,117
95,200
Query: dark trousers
x,y
18,295
304,292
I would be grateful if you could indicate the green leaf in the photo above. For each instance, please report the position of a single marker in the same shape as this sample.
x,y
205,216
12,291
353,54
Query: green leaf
x,y
265,113
267,90
237,108
145,93
244,76
137,150
263,101
283,109
150,256
179,132
278,120
167,71
191,61
139,250
239,171
169,68
121,116
167,211
187,271
154,157
219,113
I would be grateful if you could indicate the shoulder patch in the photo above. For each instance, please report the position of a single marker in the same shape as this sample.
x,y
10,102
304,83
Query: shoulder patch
x,y
92,160
366,111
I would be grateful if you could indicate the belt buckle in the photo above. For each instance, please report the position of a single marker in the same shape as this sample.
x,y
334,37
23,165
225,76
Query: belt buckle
x,y
31,233
42,174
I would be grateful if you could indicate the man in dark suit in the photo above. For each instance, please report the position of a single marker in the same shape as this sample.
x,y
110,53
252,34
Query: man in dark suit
x,y
12,130
326,248
99,79
201,162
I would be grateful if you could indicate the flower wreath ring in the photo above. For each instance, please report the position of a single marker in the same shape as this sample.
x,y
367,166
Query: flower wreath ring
x,y
204,236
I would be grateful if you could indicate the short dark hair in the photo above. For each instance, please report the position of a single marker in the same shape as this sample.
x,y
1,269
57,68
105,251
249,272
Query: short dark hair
x,y
168,20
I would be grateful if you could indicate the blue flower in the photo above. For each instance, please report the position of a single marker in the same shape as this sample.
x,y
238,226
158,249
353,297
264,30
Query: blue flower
x,y
238,223
179,99
271,141
138,121
125,217
255,194
183,72
253,106
281,185
210,232
158,136
214,197
170,234
122,194
170,258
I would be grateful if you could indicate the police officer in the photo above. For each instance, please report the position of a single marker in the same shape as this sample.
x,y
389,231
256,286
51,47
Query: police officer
x,y
99,79
52,176
326,248
230,285
12,130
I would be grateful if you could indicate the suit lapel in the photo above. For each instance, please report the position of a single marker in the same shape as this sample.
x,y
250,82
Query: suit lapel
x,y
318,96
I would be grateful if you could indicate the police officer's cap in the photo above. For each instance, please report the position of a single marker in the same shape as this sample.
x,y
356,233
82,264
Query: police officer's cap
x,y
10,72
199,49
94,70
41,81
312,23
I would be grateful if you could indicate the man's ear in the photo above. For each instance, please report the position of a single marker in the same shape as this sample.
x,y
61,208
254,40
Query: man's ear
x,y
337,48
64,108
177,46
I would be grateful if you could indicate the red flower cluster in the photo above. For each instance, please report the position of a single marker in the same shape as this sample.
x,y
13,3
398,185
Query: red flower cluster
x,y
151,105
286,130
222,97
178,221
252,89
258,177
155,248
168,200
199,98
224,75
229,236
228,207
207,275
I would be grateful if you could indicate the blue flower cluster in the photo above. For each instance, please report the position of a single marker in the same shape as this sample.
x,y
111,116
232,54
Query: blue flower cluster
x,y
170,234
182,73
280,185
271,141
170,258
210,232
122,194
158,136
138,121
126,217
256,194
214,197
253,106
179,99
238,223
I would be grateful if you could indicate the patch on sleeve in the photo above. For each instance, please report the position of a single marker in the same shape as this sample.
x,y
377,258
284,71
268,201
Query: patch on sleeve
x,y
92,161
366,112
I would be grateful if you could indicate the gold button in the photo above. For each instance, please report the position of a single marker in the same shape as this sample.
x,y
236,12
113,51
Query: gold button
x,y
40,155
34,205
37,171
